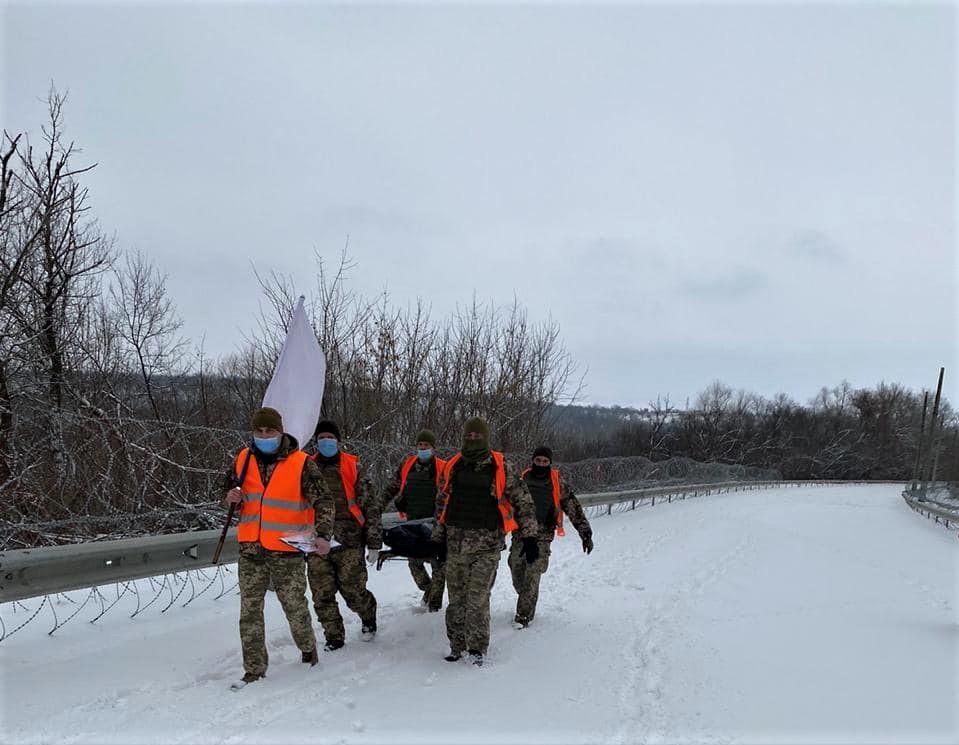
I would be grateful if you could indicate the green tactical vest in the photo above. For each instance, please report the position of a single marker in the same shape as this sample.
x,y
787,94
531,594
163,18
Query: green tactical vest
x,y
472,504
542,492
420,492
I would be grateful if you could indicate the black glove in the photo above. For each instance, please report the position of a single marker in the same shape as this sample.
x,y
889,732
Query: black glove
x,y
588,543
381,559
530,550
439,550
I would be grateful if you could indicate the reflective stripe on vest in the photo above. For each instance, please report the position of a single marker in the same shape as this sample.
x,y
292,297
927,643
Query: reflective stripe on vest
x,y
278,510
554,475
499,481
405,472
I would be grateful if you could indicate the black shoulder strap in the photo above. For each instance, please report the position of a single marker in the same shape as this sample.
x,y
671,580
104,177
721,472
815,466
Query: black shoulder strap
x,y
246,465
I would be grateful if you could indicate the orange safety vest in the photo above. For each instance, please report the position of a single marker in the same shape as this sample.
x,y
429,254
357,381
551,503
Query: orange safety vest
x,y
554,473
278,510
405,472
348,475
505,508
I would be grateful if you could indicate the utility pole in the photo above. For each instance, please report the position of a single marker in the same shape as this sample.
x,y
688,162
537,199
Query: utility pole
x,y
932,430
955,456
936,447
922,432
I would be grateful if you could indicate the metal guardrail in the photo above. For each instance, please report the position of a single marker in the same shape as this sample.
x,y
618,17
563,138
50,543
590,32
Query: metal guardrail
x,y
686,490
932,510
26,573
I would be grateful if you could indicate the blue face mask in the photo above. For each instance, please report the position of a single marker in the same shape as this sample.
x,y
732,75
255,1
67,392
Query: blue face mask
x,y
424,455
327,447
267,445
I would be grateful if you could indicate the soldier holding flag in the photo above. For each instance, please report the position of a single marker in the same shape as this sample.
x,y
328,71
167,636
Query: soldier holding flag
x,y
281,494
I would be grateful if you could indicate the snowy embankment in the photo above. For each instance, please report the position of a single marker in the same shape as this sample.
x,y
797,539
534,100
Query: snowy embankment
x,y
787,615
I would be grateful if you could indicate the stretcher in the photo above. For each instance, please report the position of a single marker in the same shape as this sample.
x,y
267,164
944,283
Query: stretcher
x,y
411,540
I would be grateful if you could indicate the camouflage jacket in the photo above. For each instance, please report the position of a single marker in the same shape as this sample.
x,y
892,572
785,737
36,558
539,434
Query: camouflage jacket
x,y
464,540
312,485
569,504
345,528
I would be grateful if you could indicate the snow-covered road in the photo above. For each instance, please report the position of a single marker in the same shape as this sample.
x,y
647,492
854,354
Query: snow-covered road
x,y
787,615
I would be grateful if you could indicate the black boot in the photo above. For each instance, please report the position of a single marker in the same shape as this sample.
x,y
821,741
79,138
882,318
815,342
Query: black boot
x,y
453,656
311,658
476,658
332,645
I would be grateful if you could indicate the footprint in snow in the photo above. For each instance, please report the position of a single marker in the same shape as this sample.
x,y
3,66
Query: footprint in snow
x,y
213,677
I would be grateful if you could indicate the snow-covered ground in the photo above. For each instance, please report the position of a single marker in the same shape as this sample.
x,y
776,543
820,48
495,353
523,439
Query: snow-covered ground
x,y
786,615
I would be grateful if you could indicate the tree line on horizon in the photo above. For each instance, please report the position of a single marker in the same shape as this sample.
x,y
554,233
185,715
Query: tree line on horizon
x,y
841,433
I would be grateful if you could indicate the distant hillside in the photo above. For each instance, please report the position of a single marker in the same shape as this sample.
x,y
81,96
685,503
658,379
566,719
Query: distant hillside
x,y
587,423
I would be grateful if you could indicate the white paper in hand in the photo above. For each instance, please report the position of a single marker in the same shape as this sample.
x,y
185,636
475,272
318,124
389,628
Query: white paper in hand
x,y
296,389
304,543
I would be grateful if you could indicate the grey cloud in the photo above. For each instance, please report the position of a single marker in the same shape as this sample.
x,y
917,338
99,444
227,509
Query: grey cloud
x,y
815,244
357,216
736,285
617,249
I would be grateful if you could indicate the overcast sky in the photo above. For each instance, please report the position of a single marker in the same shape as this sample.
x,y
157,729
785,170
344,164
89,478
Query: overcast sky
x,y
764,195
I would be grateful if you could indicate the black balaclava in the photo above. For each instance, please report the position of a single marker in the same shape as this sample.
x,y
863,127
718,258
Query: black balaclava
x,y
541,472
475,451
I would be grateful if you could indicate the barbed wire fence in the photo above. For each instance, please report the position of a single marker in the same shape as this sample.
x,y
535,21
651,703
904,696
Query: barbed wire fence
x,y
128,477
161,594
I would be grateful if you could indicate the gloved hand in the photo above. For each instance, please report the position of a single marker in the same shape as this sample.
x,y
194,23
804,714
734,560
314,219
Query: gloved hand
x,y
372,555
588,543
383,558
530,550
439,550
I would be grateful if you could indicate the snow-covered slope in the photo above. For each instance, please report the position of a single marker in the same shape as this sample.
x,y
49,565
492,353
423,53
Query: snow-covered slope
x,y
787,615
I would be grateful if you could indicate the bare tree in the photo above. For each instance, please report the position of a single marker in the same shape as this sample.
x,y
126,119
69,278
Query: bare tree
x,y
15,250
393,370
148,324
71,252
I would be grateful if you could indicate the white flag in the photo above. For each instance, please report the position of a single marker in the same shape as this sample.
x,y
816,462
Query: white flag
x,y
296,390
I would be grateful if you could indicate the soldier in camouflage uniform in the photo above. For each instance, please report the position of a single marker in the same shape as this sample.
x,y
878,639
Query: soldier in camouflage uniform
x,y
356,526
482,499
550,502
299,496
413,490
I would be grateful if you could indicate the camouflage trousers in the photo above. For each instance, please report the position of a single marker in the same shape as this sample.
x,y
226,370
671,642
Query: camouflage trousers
x,y
432,587
526,577
259,571
343,571
470,577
